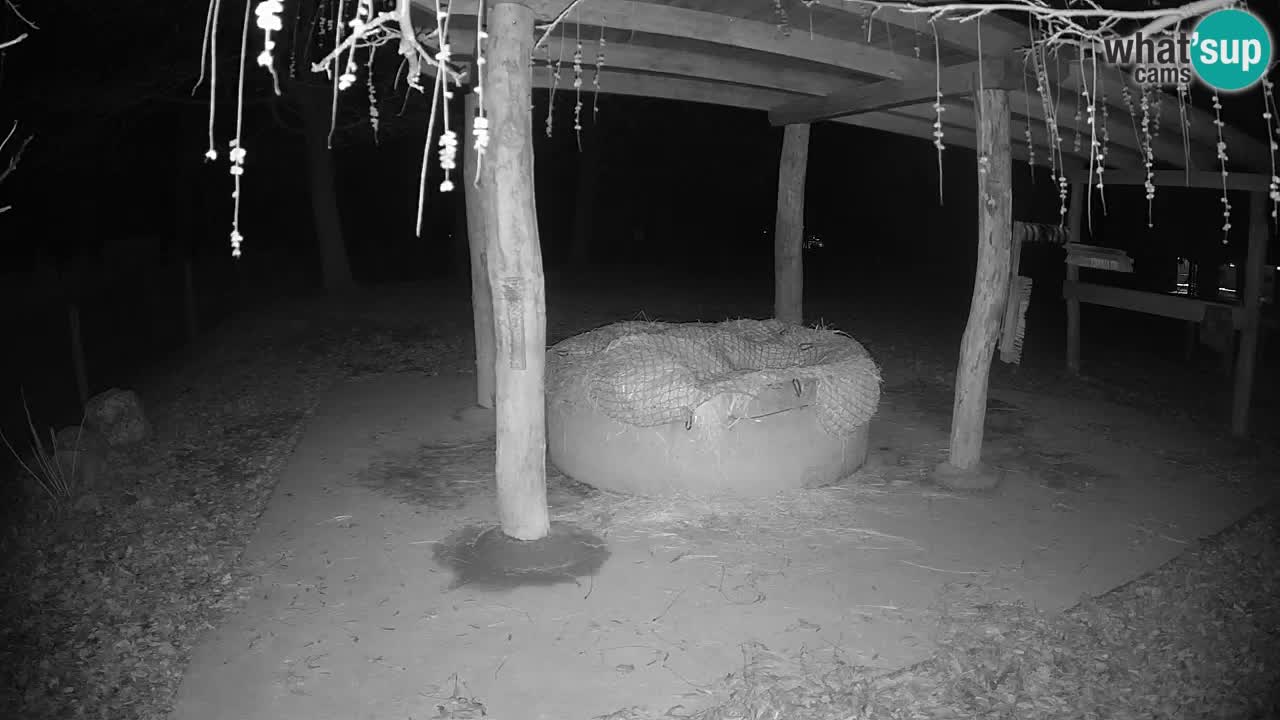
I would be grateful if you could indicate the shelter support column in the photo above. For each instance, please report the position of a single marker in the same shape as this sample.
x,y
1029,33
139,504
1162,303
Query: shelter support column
x,y
788,238
479,216
1246,361
516,277
1075,216
990,290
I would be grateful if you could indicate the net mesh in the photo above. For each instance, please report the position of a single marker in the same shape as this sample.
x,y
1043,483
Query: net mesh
x,y
652,373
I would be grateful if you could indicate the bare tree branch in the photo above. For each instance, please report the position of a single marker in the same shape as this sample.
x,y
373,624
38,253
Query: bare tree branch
x,y
23,18
17,156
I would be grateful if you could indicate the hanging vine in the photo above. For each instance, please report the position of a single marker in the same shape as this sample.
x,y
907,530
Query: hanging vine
x,y
1222,160
1272,120
1083,26
480,124
555,83
1031,144
367,32
1148,157
577,84
595,77
938,108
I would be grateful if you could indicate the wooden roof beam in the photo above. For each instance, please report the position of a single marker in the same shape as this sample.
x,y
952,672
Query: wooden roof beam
x,y
1000,35
683,63
714,93
746,74
763,37
1123,149
1205,179
994,73
719,29
791,85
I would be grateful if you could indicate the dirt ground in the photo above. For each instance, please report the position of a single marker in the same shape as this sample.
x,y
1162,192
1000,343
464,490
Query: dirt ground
x,y
353,617
272,551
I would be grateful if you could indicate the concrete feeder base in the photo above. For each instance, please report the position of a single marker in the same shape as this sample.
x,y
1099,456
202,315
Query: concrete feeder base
x,y
734,446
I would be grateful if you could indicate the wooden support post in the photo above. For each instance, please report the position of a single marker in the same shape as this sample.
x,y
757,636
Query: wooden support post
x,y
478,237
1075,216
788,238
516,277
991,281
1246,361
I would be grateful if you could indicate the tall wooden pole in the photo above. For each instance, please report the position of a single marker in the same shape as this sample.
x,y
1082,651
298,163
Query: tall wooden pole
x,y
1075,216
1247,360
478,237
991,281
516,278
788,238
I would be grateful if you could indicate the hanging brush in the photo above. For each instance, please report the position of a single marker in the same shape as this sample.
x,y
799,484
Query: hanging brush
x,y
1014,328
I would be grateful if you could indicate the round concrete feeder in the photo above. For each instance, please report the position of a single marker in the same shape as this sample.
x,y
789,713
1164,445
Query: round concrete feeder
x,y
732,445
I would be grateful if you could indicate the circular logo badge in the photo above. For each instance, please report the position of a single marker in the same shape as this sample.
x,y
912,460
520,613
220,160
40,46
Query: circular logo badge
x,y
1231,49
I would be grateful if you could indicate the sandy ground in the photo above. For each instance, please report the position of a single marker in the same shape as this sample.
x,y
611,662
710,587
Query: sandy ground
x,y
352,617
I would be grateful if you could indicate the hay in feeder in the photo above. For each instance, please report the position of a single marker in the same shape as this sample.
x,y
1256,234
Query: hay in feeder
x,y
647,374
741,407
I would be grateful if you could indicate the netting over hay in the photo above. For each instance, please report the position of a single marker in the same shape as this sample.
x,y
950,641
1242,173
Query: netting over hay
x,y
652,373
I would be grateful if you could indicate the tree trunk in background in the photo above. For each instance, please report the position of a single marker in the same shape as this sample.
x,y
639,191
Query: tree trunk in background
x,y
516,279
335,268
584,209
185,221
991,281
788,238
